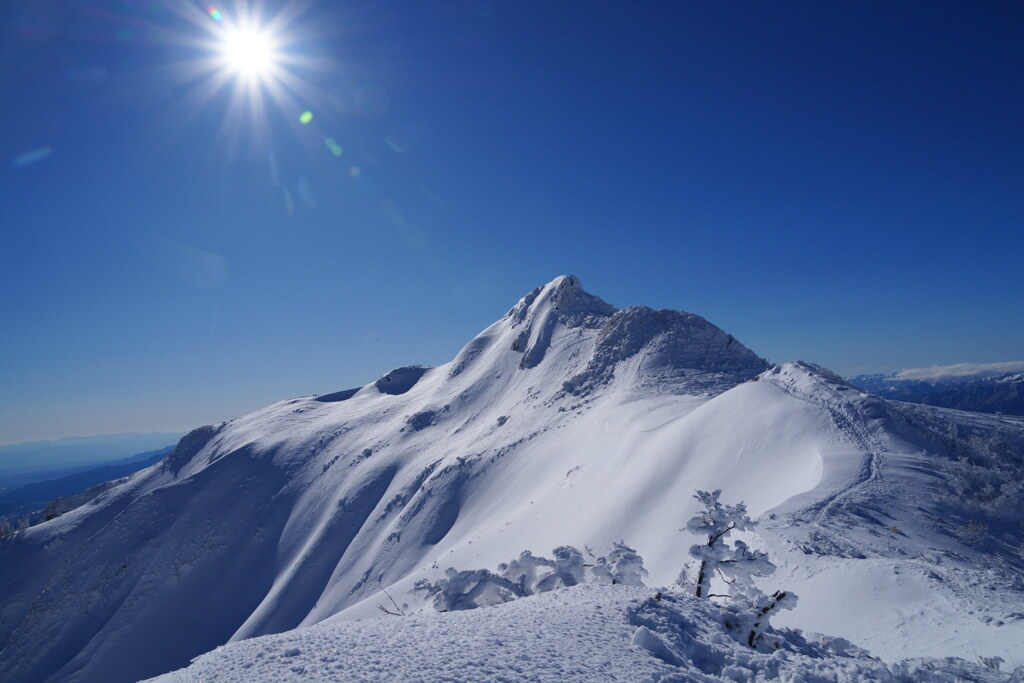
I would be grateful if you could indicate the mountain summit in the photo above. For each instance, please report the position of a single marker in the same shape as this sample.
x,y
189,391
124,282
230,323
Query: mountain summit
x,y
567,421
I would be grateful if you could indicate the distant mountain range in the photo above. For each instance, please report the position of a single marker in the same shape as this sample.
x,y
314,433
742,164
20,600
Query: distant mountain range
x,y
25,463
991,388
32,498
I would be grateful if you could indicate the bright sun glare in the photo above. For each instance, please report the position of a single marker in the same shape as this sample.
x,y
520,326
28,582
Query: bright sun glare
x,y
249,52
252,58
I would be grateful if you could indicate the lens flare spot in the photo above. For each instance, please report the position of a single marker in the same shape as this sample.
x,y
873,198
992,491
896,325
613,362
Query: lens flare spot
x,y
306,193
355,171
396,145
333,145
272,163
305,117
372,102
214,13
32,156
391,210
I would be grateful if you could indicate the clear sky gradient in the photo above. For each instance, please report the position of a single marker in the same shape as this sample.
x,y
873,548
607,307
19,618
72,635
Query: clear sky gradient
x,y
840,182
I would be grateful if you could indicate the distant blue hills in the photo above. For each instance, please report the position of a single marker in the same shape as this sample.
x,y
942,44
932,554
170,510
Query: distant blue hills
x,y
26,501
26,463
982,392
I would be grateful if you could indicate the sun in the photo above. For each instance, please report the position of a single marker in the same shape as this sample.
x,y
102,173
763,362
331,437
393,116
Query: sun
x,y
248,63
249,52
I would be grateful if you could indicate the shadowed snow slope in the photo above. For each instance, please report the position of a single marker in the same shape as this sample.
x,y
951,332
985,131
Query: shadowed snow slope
x,y
565,422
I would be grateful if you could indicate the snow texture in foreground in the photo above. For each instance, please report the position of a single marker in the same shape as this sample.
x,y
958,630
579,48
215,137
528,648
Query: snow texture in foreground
x,y
588,632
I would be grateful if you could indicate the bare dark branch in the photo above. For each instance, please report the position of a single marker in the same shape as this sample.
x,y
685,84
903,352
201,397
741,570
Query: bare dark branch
x,y
398,610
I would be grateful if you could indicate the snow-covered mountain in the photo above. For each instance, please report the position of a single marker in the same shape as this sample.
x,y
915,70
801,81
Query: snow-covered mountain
x,y
565,422
985,388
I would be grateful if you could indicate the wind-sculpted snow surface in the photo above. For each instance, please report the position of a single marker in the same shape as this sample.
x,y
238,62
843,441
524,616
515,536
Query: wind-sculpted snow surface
x,y
587,633
400,380
565,423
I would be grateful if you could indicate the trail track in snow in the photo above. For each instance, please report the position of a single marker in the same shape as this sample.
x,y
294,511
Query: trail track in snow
x,y
850,420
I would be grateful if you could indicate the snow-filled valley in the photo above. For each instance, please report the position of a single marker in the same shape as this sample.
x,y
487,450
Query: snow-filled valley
x,y
567,422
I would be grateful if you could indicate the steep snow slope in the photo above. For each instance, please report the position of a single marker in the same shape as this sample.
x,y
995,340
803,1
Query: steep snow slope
x,y
565,422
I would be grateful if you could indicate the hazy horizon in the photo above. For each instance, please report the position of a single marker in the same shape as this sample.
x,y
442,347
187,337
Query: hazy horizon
x,y
85,437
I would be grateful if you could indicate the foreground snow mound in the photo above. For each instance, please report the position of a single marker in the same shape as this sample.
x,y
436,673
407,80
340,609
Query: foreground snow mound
x,y
704,641
588,632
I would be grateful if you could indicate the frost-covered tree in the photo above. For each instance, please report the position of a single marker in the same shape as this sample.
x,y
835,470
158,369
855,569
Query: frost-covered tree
x,y
740,566
715,522
739,571
736,564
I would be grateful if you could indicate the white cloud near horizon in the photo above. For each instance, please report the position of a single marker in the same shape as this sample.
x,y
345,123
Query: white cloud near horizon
x,y
960,370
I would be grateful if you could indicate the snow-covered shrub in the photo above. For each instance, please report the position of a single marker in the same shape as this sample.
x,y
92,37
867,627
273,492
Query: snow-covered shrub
x,y
569,561
984,484
621,566
528,575
737,565
972,533
534,574
567,569
683,578
983,464
460,590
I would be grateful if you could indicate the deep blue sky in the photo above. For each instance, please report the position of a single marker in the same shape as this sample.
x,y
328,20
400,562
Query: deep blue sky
x,y
837,182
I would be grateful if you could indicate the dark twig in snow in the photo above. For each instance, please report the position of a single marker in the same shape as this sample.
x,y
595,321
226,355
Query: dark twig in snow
x,y
398,610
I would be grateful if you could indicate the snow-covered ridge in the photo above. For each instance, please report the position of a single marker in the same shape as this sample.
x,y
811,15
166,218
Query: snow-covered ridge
x,y
566,422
